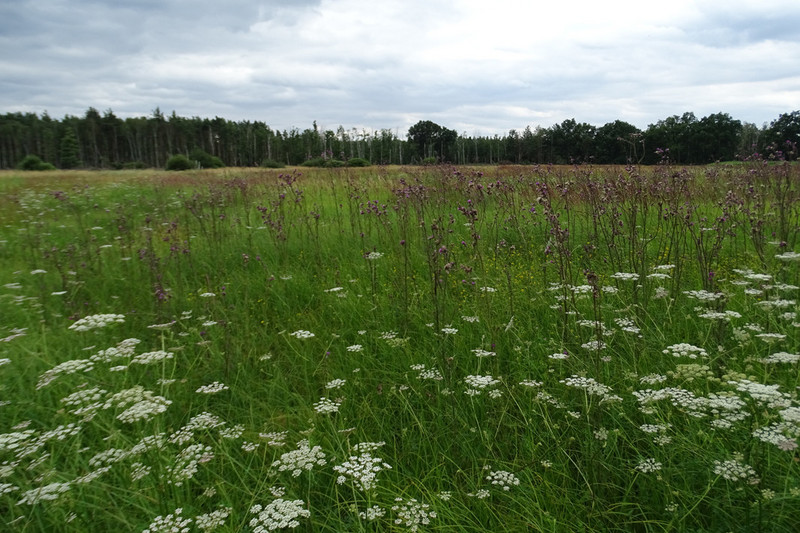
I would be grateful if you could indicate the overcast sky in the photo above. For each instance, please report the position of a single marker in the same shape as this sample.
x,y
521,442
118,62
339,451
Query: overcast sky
x,y
476,66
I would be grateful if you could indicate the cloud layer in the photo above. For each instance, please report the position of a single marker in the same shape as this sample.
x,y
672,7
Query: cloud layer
x,y
473,66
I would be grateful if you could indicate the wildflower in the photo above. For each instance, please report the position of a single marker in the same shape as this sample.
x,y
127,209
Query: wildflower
x,y
372,513
186,463
302,334
213,520
412,514
373,256
67,367
481,494
625,276
172,523
592,387
445,495
504,480
488,289
685,350
45,493
207,295
788,256
275,438
335,384
470,319
303,458
212,388
327,406
149,358
363,469
232,432
449,331
735,470
648,465
355,348
139,471
559,356
594,345
97,321
279,514
481,382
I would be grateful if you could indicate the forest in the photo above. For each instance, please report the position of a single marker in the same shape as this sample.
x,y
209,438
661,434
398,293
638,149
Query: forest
x,y
106,141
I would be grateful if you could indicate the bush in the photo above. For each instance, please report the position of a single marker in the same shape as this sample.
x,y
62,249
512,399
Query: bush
x,y
205,160
358,162
34,162
334,163
271,163
314,162
429,161
180,162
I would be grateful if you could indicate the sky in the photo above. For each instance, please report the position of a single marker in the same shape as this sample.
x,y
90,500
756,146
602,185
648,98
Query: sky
x,y
478,67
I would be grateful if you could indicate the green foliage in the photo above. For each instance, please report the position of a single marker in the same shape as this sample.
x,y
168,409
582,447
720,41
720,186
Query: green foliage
x,y
180,162
314,162
205,160
271,163
334,163
358,162
34,162
69,150
429,161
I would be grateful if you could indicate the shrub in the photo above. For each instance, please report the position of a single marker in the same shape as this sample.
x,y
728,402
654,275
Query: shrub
x,y
205,160
180,162
33,162
334,163
429,161
358,162
271,163
314,162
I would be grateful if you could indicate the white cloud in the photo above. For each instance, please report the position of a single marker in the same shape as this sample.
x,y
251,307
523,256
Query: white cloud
x,y
470,65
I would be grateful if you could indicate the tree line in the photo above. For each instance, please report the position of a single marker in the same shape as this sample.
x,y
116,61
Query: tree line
x,y
103,140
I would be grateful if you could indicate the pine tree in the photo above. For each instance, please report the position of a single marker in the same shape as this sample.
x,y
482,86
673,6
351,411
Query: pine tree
x,y
70,155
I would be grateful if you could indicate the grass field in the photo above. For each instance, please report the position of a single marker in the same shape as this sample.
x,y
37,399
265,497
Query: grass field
x,y
401,349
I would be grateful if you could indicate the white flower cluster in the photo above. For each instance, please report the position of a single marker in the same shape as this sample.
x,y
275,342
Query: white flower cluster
x,y
303,458
449,331
279,514
123,349
302,334
776,434
212,388
765,394
704,296
648,466
72,366
504,480
213,520
363,469
373,255
149,358
412,514
471,319
274,438
372,513
97,321
186,463
788,256
327,406
478,383
592,387
355,348
172,523
625,276
479,352
335,384
685,350
735,470
44,493
427,373
232,432
139,404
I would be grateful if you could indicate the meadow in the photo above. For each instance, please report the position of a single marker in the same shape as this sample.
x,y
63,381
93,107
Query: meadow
x,y
510,348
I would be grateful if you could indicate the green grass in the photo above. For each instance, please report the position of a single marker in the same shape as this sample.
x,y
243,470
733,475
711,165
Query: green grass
x,y
216,272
